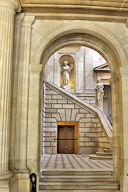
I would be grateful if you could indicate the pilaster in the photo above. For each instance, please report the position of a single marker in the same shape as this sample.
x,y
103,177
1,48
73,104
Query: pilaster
x,y
17,32
22,95
124,127
88,69
33,118
116,132
34,130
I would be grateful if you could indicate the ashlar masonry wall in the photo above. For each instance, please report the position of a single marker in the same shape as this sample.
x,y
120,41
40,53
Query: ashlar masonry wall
x,y
56,108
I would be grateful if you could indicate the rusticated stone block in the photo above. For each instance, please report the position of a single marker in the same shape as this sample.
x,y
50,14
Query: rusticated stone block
x,y
56,96
57,106
90,115
90,125
88,120
68,106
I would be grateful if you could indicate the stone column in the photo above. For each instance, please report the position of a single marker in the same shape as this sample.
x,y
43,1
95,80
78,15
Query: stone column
x,y
124,127
22,95
7,12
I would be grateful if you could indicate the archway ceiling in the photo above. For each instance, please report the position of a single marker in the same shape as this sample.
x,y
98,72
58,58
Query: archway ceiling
x,y
108,9
80,39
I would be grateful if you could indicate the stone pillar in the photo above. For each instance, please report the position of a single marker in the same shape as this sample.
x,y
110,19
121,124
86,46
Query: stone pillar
x,y
7,12
89,69
115,125
22,95
124,127
57,70
79,72
13,147
34,125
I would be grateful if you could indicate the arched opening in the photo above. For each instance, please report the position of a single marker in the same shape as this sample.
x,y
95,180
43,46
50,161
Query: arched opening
x,y
84,79
114,56
81,39
59,113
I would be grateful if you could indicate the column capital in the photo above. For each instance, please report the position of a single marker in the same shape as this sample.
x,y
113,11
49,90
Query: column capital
x,y
13,4
28,21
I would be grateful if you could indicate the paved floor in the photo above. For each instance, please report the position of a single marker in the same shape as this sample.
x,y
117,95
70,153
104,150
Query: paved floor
x,y
72,161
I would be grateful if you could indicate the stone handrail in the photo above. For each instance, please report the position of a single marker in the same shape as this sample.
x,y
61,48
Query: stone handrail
x,y
103,119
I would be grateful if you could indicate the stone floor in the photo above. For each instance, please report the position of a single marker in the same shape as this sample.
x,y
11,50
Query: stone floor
x,y
72,161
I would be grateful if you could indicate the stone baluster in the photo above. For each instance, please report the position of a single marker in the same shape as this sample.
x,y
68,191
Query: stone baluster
x,y
7,12
22,94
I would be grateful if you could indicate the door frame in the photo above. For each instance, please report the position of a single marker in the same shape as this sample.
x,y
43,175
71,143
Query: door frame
x,y
76,127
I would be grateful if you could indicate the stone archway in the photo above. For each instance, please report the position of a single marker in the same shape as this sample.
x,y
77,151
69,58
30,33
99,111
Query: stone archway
x,y
104,42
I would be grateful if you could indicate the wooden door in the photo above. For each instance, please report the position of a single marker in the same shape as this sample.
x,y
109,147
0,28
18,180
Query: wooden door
x,y
66,139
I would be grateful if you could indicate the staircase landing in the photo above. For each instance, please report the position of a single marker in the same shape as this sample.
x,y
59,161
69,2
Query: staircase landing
x,y
72,161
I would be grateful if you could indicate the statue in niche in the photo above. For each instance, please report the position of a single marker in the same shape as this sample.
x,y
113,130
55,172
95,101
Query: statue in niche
x,y
66,69
100,93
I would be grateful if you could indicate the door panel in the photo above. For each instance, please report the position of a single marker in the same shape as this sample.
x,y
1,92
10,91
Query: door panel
x,y
66,142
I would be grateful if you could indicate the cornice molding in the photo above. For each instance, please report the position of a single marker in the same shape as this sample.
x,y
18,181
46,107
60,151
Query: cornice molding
x,y
93,4
96,10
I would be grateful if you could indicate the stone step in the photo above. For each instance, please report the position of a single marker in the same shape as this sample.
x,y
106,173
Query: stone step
x,y
103,154
80,172
107,150
96,157
81,179
78,186
113,190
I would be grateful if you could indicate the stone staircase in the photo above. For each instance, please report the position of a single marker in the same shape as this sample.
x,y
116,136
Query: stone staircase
x,y
83,179
106,154
95,131
86,180
84,105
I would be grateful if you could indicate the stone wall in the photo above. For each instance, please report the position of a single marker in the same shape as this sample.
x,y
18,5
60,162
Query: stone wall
x,y
57,108
88,97
84,86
